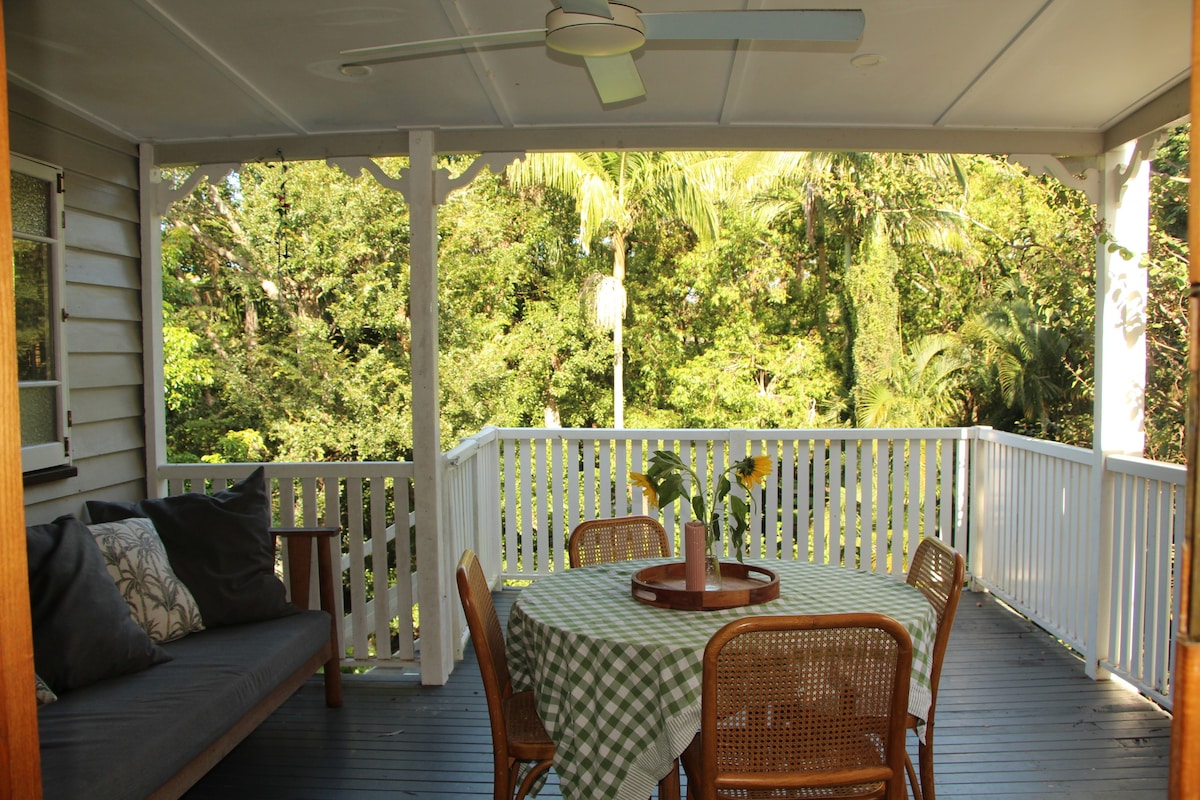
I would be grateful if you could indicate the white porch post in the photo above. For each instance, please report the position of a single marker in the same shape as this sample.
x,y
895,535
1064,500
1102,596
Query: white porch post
x,y
154,198
150,217
1120,359
435,564
425,187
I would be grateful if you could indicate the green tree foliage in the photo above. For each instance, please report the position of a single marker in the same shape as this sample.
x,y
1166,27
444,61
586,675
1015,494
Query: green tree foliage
x,y
807,290
1166,309
874,311
614,192
295,283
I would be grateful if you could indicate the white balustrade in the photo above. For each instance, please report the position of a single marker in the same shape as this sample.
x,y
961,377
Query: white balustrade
x,y
1024,512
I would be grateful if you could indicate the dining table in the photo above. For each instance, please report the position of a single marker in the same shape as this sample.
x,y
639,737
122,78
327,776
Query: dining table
x,y
617,681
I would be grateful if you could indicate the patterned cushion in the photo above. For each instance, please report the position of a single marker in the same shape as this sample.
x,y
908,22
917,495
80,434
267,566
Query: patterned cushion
x,y
158,601
82,630
45,696
220,546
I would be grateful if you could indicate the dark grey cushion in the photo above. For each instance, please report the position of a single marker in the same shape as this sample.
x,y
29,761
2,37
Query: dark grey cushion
x,y
124,738
82,630
219,545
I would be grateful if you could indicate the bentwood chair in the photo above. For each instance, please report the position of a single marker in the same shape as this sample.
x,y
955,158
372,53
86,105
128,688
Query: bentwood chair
x,y
938,571
802,706
602,541
518,735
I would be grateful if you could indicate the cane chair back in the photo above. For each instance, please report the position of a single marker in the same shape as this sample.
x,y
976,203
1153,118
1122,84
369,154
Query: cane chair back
x,y
803,706
603,541
518,736
938,571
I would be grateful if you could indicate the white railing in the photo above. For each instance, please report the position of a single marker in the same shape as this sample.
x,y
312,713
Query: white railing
x,y
1148,529
472,513
859,497
1089,557
1034,524
372,503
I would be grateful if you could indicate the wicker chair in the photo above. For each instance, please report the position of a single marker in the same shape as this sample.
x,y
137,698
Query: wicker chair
x,y
602,541
803,706
938,571
518,735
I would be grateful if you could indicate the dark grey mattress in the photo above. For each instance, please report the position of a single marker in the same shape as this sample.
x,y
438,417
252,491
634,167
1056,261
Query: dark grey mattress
x,y
122,738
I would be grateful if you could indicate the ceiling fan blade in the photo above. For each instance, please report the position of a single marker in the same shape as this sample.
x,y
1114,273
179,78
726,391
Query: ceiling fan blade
x,y
616,78
839,30
597,8
392,52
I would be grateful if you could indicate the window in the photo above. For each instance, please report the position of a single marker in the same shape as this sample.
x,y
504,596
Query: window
x,y
37,212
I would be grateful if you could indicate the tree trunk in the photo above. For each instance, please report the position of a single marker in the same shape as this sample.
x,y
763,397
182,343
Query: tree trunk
x,y
618,338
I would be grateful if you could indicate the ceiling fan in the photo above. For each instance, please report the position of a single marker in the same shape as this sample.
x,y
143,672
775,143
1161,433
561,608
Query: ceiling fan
x,y
605,34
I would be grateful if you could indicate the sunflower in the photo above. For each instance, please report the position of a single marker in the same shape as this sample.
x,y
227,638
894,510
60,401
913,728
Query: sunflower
x,y
648,488
753,469
670,478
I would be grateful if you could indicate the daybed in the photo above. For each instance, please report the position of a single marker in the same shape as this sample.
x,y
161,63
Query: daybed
x,y
146,695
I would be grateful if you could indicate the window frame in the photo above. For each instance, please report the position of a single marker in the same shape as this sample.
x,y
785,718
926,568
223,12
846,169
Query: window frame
x,y
50,455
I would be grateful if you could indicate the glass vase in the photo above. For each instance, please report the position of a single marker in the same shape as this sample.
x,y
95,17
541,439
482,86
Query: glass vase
x,y
702,565
712,565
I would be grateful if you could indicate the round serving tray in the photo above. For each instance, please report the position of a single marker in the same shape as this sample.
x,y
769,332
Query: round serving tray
x,y
741,585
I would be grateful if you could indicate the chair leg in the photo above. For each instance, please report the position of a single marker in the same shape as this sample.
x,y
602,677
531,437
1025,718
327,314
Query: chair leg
x,y
912,778
925,756
668,787
535,772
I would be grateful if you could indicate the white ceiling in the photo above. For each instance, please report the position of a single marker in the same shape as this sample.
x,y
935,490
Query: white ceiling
x,y
210,80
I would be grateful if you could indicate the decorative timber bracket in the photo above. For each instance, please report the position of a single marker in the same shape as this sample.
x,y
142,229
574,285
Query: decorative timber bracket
x,y
444,183
1143,150
1084,173
165,195
1074,173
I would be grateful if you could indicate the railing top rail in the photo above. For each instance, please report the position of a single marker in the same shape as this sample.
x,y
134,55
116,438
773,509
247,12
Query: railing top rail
x,y
707,434
1066,452
464,448
1145,468
279,469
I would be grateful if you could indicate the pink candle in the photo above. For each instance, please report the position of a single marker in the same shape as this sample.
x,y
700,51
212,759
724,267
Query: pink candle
x,y
693,556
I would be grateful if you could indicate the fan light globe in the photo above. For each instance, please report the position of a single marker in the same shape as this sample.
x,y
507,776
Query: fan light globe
x,y
592,36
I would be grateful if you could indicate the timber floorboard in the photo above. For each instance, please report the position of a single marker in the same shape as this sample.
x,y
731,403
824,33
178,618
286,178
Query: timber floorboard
x,y
1017,718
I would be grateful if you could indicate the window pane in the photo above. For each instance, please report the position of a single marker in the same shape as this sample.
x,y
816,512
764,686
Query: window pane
x,y
39,416
35,356
30,204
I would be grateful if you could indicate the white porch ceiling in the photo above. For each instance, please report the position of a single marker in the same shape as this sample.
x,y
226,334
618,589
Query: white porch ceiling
x,y
219,80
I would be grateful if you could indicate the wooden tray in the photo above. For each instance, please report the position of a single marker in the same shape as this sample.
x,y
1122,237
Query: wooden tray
x,y
741,585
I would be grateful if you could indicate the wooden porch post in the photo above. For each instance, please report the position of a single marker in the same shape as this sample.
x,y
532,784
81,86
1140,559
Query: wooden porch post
x,y
20,758
1123,205
1185,723
153,391
434,563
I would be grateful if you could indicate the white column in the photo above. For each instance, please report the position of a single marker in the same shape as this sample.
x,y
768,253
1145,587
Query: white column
x,y
425,187
435,564
1121,289
154,403
1120,359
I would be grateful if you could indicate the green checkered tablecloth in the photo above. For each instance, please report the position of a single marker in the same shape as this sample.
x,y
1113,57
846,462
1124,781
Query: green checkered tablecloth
x,y
618,682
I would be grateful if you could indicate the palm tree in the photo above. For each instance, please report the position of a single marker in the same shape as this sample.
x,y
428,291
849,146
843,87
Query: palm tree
x,y
613,191
864,204
1027,351
928,387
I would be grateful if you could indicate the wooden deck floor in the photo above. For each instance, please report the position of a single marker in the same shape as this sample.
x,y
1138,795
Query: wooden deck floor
x,y
1017,718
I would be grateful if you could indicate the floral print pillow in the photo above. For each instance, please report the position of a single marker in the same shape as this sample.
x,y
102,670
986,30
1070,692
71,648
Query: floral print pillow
x,y
45,695
158,601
